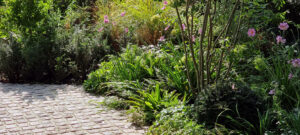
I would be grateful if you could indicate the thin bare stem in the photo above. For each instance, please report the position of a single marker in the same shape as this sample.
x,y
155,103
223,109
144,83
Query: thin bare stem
x,y
191,45
185,50
210,39
201,52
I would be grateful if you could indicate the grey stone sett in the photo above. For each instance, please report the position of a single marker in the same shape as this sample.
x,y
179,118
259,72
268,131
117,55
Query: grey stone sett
x,y
33,109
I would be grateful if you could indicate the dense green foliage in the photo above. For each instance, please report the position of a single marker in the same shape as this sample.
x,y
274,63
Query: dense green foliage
x,y
42,48
178,66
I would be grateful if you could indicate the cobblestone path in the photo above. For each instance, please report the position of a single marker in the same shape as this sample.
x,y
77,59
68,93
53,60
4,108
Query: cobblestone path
x,y
57,109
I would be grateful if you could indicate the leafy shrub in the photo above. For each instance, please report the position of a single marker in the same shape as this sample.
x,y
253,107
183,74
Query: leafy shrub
x,y
11,59
175,121
81,49
33,23
234,106
152,101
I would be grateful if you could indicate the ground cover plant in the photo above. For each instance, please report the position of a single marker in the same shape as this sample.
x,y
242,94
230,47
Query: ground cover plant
x,y
177,66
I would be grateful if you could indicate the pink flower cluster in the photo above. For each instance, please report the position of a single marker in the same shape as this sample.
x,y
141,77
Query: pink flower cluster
x,y
251,32
123,14
106,20
283,26
295,62
280,39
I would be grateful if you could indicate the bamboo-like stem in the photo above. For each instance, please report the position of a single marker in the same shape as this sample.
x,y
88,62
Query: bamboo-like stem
x,y
201,52
210,39
191,45
185,50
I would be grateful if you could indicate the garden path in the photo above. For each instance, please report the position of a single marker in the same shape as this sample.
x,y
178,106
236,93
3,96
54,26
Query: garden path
x,y
57,109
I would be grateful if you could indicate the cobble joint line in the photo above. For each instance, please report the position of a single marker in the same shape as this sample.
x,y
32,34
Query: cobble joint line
x,y
36,109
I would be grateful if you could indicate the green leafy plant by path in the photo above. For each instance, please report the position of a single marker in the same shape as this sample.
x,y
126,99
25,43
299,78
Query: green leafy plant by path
x,y
135,64
153,100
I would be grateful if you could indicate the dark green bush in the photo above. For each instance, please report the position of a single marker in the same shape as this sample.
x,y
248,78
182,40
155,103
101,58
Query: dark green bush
x,y
53,48
232,105
82,48
11,60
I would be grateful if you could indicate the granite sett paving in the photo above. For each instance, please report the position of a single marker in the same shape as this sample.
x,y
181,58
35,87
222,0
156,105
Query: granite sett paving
x,y
41,109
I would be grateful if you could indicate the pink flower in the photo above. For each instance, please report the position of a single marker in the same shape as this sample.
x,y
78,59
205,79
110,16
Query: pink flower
x,y
167,27
163,8
162,38
283,26
272,92
183,27
123,13
101,29
295,62
106,21
126,30
165,2
105,17
290,76
251,32
280,40
113,23
193,38
200,31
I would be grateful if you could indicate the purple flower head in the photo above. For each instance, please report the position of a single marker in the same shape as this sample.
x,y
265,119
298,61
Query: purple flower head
x,y
295,62
167,27
163,8
126,30
251,32
165,2
272,92
280,39
106,21
105,17
290,76
162,38
283,26
183,27
123,13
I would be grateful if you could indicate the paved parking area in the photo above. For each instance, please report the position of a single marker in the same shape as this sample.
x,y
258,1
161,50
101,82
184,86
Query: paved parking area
x,y
57,109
